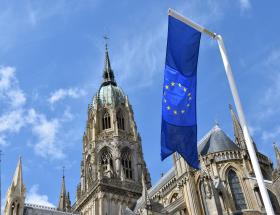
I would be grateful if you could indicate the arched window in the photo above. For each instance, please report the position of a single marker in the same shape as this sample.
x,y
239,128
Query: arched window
x,y
126,163
13,208
174,197
120,120
203,198
106,121
106,160
236,190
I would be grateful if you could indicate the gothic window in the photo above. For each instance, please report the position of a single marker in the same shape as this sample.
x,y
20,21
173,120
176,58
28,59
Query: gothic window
x,y
120,120
174,197
106,121
106,160
13,208
203,198
236,190
126,163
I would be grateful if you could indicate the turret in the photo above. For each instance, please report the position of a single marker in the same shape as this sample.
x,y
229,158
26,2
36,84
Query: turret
x,y
16,193
238,133
64,203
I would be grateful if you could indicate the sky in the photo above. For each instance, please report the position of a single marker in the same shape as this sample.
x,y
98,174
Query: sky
x,y
51,62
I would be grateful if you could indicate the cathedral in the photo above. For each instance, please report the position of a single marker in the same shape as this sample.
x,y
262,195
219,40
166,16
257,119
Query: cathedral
x,y
114,178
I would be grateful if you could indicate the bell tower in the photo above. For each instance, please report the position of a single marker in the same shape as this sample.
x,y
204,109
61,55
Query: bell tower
x,y
112,159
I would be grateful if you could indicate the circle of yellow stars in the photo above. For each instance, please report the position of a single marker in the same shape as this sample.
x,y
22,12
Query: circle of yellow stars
x,y
185,89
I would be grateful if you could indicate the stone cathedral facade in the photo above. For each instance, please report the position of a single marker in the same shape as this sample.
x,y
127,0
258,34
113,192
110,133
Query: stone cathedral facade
x,y
114,179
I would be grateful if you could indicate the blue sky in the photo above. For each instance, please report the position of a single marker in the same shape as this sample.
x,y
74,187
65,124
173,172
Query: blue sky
x,y
51,60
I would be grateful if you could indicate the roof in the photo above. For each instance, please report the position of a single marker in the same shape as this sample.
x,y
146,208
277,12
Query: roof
x,y
111,94
32,209
215,141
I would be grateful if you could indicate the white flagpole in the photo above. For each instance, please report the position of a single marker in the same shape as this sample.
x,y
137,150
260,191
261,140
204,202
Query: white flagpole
x,y
241,116
240,113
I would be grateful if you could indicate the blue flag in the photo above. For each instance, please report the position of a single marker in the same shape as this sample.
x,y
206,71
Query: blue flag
x,y
179,127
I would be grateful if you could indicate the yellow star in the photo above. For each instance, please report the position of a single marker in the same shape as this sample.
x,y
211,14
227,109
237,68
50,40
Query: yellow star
x,y
172,83
185,89
168,107
182,111
189,94
179,85
166,87
188,105
175,112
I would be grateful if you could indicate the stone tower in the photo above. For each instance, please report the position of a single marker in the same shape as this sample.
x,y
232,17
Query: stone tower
x,y
112,159
16,193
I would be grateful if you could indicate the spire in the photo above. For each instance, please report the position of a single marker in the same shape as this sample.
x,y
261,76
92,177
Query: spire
x,y
108,74
64,199
238,133
277,155
17,179
16,193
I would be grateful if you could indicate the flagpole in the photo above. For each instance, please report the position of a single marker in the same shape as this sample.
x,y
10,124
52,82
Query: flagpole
x,y
247,136
237,102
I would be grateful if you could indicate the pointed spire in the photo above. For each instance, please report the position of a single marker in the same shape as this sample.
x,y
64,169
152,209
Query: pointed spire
x,y
108,74
277,155
17,179
62,205
238,132
16,192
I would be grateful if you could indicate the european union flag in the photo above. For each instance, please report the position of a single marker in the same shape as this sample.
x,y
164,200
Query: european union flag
x,y
179,127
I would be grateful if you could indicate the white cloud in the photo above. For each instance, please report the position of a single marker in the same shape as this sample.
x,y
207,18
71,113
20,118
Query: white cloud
x,y
271,135
46,132
271,96
12,121
63,93
19,116
245,4
33,197
9,88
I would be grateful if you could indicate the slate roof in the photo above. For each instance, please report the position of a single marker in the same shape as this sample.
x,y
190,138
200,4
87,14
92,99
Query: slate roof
x,y
32,209
215,141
